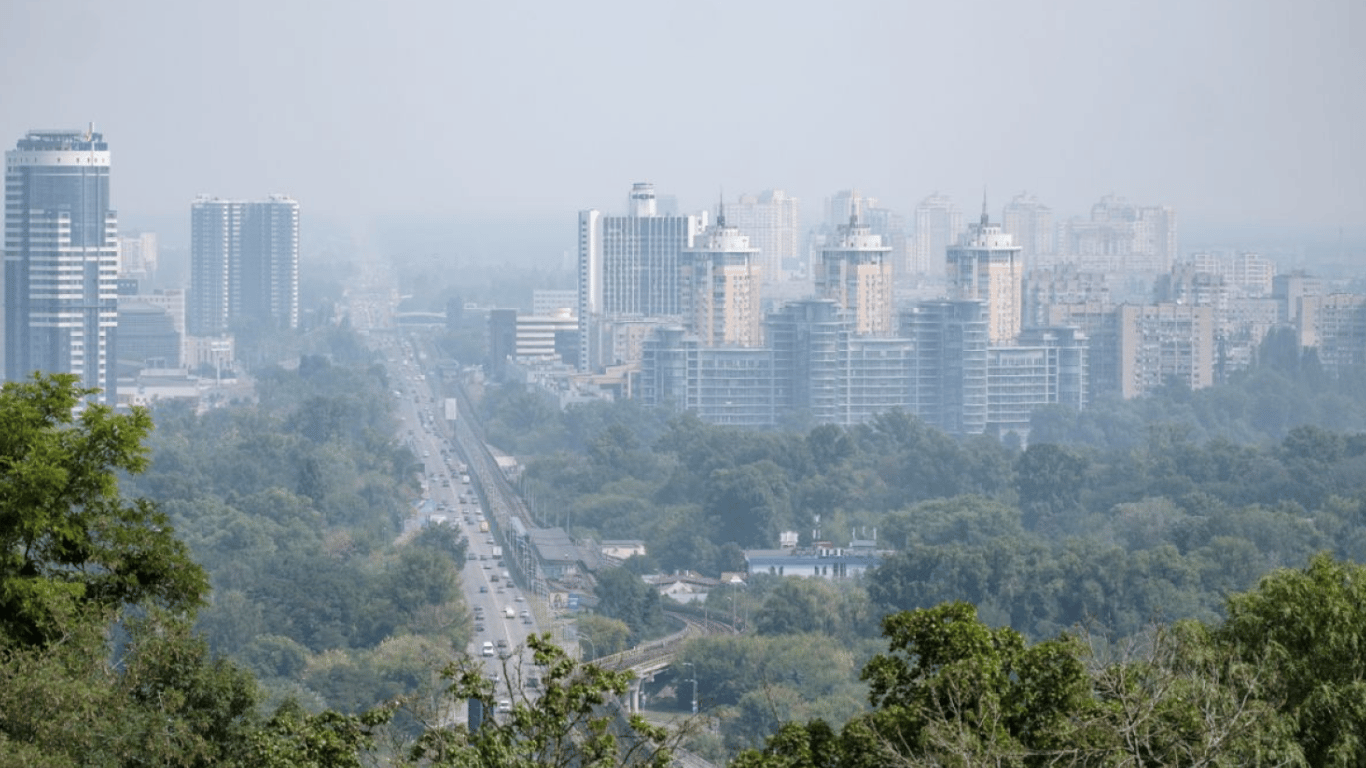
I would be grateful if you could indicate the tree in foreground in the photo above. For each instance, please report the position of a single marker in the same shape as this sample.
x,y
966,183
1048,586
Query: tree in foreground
x,y
570,719
71,548
951,691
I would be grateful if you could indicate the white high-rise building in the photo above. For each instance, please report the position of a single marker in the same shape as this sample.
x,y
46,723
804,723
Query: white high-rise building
x,y
938,224
985,266
629,270
61,260
244,264
772,221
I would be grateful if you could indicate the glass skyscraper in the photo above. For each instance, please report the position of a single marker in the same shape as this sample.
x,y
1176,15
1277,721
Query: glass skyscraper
x,y
61,259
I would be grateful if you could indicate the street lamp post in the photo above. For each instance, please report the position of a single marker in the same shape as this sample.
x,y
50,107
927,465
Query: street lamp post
x,y
692,671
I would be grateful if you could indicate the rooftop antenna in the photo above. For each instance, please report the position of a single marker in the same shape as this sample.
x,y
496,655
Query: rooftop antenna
x,y
721,208
984,206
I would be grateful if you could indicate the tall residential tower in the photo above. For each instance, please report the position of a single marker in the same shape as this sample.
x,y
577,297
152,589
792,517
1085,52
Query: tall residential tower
x,y
244,264
985,266
61,259
856,272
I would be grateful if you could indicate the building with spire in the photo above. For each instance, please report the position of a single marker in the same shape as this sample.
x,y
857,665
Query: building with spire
x,y
61,259
721,287
985,266
855,271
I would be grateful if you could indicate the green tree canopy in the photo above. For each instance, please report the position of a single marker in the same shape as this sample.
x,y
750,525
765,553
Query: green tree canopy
x,y
68,541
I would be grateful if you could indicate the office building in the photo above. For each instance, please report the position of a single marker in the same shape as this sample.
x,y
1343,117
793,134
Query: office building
x,y
244,264
938,224
61,259
721,287
985,266
629,270
855,272
772,221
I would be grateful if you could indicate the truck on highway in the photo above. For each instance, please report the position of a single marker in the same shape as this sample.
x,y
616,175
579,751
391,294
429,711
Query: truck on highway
x,y
508,613
497,552
483,526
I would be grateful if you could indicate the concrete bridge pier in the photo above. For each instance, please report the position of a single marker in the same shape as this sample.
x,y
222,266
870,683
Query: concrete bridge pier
x,y
633,697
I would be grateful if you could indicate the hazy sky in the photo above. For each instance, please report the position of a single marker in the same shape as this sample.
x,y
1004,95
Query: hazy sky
x,y
1232,111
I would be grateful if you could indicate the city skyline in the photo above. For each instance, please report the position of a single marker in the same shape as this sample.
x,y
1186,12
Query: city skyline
x,y
485,112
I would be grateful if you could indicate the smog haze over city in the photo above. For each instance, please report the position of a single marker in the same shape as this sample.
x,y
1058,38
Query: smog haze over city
x,y
512,116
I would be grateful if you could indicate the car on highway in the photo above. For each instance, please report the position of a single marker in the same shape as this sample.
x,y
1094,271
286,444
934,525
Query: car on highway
x,y
487,649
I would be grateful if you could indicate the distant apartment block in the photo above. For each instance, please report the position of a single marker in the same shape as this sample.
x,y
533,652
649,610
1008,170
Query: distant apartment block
x,y
244,264
948,364
1047,367
772,220
938,224
1030,223
1121,236
1164,343
1335,326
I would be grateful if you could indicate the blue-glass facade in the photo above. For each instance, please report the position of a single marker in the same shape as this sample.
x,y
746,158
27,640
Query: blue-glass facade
x,y
61,259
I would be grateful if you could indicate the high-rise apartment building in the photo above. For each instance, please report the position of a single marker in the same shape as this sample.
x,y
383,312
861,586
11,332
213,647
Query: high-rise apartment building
x,y
244,264
721,284
1031,224
1160,344
949,364
855,272
985,266
1122,236
629,269
61,259
772,221
1335,326
138,256
938,224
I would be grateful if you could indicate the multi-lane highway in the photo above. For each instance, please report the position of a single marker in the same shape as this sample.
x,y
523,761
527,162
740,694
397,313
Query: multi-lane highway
x,y
503,617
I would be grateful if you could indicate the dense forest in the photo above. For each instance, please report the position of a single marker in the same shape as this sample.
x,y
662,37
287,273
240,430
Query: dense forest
x,y
1122,555
293,505
1112,520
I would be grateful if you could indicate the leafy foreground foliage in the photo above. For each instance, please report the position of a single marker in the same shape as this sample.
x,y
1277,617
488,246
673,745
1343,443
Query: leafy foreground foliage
x,y
568,723
1278,684
70,546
